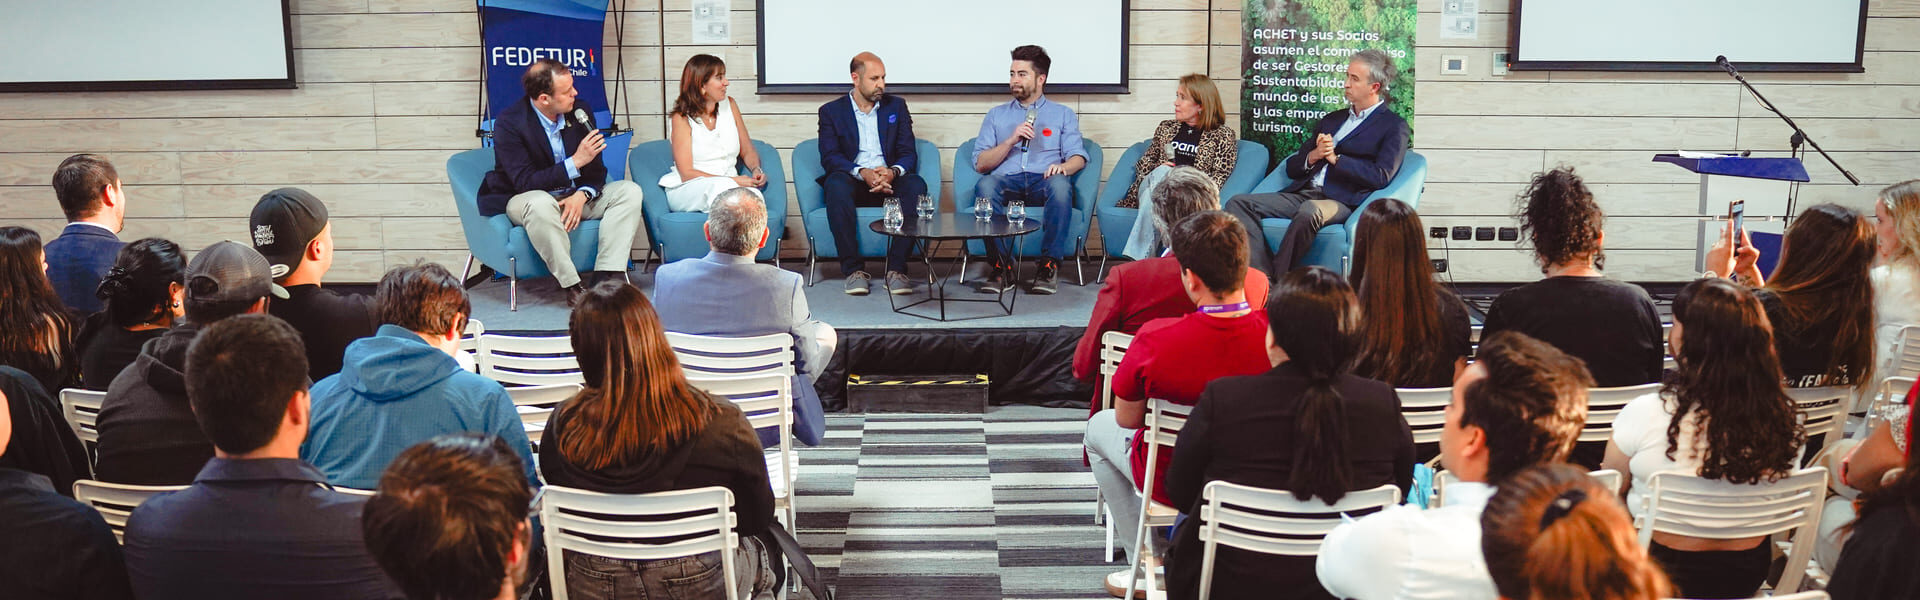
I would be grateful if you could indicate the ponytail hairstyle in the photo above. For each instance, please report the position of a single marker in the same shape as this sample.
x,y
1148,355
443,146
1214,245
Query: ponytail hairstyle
x,y
138,289
1315,319
1551,532
1729,386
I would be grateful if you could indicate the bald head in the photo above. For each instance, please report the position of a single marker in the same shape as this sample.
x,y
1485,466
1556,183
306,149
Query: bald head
x,y
869,78
737,222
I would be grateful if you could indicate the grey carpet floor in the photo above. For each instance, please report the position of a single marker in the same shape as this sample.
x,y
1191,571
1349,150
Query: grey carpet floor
x,y
953,506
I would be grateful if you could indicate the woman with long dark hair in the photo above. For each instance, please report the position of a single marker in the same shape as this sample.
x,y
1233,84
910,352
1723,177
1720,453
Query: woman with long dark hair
x,y
1414,333
638,427
1723,415
709,139
1820,298
1610,324
143,294
36,331
1552,532
1309,427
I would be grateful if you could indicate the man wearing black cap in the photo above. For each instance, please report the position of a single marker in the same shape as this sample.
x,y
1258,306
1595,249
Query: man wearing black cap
x,y
289,227
148,435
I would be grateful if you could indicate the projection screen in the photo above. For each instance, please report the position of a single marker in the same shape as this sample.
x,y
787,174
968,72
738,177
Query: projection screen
x,y
92,45
1664,35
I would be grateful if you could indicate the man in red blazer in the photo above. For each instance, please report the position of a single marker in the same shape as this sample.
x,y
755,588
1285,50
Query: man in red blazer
x,y
1141,291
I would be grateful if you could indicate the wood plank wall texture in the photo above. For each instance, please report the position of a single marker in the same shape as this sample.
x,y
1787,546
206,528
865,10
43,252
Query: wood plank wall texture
x,y
387,91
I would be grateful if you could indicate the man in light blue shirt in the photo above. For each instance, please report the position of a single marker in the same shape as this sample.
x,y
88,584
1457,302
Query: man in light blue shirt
x,y
1028,150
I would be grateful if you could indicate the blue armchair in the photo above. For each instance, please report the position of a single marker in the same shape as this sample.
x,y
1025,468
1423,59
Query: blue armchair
x,y
813,205
680,235
495,241
1086,184
1333,247
1116,223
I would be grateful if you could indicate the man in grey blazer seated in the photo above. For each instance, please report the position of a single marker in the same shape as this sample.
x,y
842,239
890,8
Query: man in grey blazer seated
x,y
726,294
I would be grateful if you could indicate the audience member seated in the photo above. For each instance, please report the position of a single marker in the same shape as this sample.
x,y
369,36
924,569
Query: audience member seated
x,y
1309,427
1610,324
1028,150
1173,359
709,139
727,294
38,333
402,386
290,228
258,522
56,548
1863,468
640,428
1521,404
1820,298
548,177
1896,271
148,435
1197,136
1727,372
1877,561
1352,152
450,522
42,443
868,153
1144,290
89,192
1415,333
143,292
1552,532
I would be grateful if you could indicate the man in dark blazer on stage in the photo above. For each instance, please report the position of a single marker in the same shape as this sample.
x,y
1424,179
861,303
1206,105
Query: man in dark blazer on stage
x,y
89,191
1353,152
867,150
548,178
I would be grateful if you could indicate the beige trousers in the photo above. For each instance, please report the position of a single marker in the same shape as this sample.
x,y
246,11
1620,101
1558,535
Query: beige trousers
x,y
617,209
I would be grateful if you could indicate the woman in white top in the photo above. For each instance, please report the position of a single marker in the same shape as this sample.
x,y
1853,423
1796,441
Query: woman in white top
x,y
709,139
1896,271
1723,415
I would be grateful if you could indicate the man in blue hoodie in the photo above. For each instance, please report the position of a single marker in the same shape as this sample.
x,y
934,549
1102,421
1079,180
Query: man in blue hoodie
x,y
402,386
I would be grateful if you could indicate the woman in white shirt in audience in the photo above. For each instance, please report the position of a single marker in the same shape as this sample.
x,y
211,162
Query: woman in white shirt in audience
x,y
1723,415
1896,272
709,139
1552,532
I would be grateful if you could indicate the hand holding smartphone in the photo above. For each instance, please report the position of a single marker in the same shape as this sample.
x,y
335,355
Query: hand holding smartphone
x,y
1736,215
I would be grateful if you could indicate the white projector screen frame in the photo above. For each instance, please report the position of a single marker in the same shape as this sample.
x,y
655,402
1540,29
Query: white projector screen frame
x,y
942,47
133,45
1755,35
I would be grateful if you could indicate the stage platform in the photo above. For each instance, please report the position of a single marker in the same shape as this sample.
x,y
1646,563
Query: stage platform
x,y
1027,356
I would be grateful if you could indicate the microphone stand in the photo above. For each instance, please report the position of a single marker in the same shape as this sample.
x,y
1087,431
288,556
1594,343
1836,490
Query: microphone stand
x,y
1799,137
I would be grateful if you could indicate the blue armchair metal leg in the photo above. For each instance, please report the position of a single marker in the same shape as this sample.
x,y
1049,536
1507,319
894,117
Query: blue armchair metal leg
x,y
813,266
467,272
1079,263
513,284
1101,275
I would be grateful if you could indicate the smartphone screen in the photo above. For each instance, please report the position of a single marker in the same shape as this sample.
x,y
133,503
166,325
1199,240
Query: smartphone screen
x,y
1737,213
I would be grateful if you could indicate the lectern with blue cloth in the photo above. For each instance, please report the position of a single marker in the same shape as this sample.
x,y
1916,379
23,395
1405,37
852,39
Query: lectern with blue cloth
x,y
1775,169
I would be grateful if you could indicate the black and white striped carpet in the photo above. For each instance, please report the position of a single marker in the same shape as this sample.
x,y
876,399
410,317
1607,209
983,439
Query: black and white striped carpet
x,y
953,506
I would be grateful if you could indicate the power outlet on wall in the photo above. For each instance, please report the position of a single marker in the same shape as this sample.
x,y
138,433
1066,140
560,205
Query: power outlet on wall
x,y
1462,232
1439,265
1438,233
1483,234
1509,234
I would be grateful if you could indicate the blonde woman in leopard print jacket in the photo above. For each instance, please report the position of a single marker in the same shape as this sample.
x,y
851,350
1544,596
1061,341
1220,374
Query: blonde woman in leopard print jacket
x,y
1196,136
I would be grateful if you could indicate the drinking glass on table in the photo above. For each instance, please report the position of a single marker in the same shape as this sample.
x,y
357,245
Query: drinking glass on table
x,y
982,209
1017,211
891,208
926,206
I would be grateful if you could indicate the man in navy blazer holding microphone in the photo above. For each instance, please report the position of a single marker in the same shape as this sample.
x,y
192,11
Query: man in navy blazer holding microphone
x,y
867,150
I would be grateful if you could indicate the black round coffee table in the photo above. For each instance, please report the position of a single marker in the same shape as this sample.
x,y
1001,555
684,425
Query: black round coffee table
x,y
942,228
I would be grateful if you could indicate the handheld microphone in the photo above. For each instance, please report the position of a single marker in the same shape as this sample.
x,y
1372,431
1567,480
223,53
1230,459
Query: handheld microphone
x,y
581,116
1032,115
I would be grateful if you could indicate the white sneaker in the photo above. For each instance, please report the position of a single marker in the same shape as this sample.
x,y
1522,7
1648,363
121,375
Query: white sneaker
x,y
1117,583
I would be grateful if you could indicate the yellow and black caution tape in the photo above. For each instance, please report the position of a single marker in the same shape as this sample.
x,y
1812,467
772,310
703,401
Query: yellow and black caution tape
x,y
980,379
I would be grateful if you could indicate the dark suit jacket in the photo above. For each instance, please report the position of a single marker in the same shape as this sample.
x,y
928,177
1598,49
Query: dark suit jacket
x,y
840,135
523,160
1369,156
1243,431
77,261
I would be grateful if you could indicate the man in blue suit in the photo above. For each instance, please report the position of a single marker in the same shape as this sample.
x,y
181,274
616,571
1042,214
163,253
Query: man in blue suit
x,y
726,294
1353,152
867,150
89,191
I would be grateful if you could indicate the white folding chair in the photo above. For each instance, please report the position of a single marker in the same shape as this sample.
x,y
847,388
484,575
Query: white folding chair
x,y
1425,410
470,343
768,402
82,410
352,491
535,404
1165,419
523,360
1608,478
1603,406
1889,397
716,356
684,523
1251,518
1681,504
116,501
1822,410
1113,348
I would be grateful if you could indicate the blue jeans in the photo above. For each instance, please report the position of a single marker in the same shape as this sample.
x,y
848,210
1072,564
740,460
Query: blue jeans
x,y
699,576
1055,194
